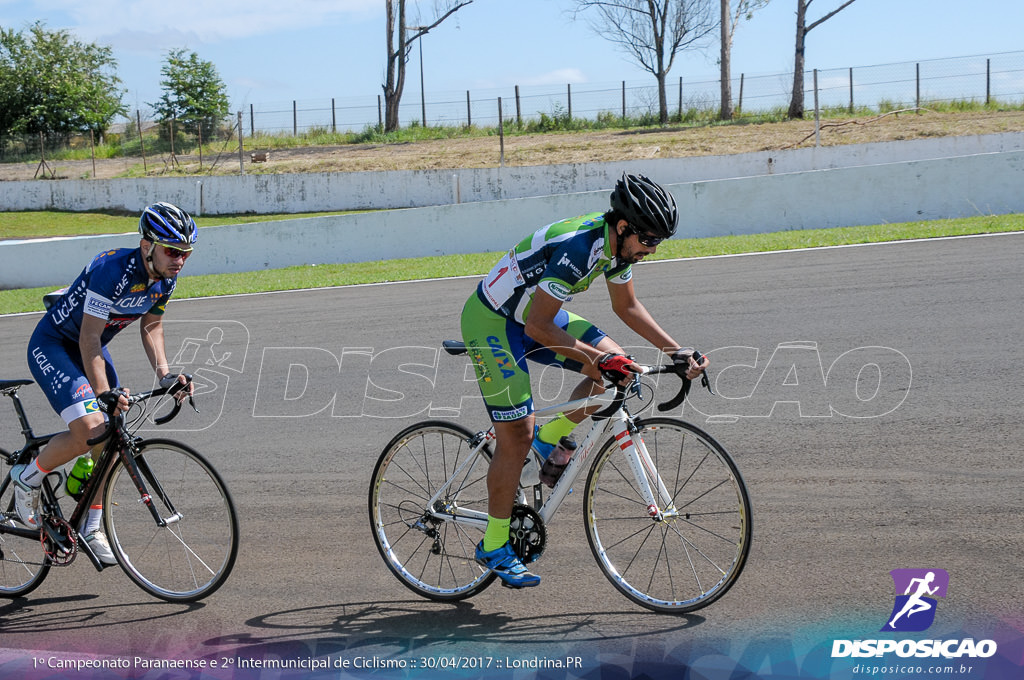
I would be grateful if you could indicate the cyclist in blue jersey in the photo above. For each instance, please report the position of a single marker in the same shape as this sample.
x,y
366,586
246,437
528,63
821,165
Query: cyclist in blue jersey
x,y
68,355
516,314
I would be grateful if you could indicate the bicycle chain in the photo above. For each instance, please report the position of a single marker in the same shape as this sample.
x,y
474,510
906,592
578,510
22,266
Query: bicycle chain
x,y
60,558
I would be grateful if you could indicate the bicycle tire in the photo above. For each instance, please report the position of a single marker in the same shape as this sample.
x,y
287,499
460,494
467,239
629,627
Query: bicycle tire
x,y
692,556
23,565
431,557
187,559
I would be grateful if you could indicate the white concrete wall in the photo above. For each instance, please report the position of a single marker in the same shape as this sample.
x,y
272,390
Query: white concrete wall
x,y
323,192
870,194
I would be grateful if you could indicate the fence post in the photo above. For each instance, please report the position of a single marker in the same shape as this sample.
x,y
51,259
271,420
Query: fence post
x,y
519,111
142,144
334,117
174,159
623,102
92,151
252,121
200,127
817,113
380,113
295,118
241,164
851,90
469,111
568,95
501,136
917,95
680,99
988,81
739,104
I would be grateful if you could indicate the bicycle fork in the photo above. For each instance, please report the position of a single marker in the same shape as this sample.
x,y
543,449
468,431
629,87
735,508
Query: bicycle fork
x,y
632,445
138,468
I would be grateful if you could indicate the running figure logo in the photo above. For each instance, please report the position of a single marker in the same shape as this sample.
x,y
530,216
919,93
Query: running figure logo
x,y
914,609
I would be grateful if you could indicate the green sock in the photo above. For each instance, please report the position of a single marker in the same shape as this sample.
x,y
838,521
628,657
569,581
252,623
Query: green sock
x,y
556,428
497,533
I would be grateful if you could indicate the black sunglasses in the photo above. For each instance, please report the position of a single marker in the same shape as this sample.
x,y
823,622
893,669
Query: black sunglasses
x,y
645,239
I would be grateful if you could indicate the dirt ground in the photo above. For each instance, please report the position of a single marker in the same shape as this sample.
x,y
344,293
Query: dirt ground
x,y
542,149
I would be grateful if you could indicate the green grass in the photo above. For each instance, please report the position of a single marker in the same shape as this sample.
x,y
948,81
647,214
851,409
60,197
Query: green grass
x,y
315,276
19,225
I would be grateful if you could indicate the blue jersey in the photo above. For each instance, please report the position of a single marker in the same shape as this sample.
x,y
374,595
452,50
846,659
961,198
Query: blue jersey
x,y
561,259
114,287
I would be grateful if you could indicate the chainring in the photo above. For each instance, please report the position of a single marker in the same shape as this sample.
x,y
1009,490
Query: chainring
x,y
526,533
60,542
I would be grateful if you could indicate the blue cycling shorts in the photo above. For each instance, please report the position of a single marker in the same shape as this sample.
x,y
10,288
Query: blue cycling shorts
x,y
57,366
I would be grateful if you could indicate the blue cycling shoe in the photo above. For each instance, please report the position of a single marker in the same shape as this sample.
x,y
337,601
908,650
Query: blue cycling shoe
x,y
506,564
542,448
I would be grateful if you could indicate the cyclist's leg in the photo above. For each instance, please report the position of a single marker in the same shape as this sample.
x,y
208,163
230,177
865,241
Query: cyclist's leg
x,y
583,330
56,365
497,348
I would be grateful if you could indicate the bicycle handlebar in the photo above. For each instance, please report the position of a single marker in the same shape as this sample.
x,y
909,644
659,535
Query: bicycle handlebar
x,y
133,399
621,391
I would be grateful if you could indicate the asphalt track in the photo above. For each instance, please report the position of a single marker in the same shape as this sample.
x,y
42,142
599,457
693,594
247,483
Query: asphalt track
x,y
871,397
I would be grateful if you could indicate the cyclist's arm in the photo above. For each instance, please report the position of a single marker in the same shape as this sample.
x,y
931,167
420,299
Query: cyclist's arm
x,y
152,332
540,325
633,313
151,329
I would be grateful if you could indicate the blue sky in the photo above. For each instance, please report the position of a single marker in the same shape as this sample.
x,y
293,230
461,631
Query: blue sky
x,y
268,51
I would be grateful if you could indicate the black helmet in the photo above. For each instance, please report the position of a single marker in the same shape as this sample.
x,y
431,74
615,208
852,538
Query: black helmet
x,y
647,207
166,223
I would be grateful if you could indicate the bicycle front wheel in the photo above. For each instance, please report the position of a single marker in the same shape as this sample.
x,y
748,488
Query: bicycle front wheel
x,y
23,565
695,551
432,556
189,553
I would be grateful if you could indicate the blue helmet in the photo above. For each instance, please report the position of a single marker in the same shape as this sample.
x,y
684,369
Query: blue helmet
x,y
166,223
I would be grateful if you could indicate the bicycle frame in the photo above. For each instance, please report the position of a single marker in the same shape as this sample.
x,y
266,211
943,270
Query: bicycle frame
x,y
119,444
619,424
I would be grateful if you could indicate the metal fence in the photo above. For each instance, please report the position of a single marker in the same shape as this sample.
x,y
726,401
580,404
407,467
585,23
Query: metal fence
x,y
977,79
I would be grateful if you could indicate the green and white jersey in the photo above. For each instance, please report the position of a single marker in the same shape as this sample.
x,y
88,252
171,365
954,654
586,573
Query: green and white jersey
x,y
561,259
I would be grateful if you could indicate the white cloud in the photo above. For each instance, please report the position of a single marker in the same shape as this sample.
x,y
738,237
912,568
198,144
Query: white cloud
x,y
558,77
149,24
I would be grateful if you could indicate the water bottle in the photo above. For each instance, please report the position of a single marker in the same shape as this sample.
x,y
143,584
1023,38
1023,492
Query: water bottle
x,y
79,474
554,466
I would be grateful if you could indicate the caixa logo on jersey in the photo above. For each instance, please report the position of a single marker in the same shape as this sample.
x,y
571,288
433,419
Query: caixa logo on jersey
x,y
917,593
212,352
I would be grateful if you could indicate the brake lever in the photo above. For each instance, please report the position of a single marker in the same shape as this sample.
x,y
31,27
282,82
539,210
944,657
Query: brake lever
x,y
704,380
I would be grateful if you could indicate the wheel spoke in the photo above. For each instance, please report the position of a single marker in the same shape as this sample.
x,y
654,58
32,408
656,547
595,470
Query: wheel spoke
x,y
690,554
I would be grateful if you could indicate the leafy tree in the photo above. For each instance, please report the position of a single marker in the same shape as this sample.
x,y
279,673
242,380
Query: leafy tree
x,y
653,32
732,12
193,93
51,83
796,103
400,37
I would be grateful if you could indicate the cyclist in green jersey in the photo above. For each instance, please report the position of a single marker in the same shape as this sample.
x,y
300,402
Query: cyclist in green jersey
x,y
516,313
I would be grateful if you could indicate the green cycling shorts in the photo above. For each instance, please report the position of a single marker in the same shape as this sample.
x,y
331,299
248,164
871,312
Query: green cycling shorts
x,y
499,348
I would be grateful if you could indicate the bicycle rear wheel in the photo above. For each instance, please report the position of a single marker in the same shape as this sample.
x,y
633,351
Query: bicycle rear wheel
x,y
433,557
23,565
694,554
192,554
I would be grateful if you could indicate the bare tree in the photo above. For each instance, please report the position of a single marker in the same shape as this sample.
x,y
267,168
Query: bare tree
x,y
401,36
796,103
652,32
733,11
